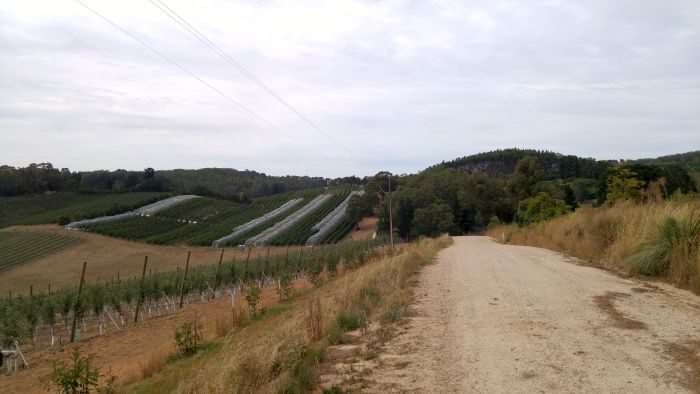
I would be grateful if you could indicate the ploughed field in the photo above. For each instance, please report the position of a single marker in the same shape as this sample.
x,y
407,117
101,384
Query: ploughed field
x,y
18,247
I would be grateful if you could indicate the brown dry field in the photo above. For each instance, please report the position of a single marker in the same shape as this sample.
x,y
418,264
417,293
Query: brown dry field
x,y
107,257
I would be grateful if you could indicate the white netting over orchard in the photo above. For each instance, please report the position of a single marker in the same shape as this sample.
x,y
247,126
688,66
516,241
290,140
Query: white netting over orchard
x,y
243,228
288,222
331,221
146,210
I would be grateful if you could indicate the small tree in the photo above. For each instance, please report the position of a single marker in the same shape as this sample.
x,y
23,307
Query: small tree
x,y
187,337
253,297
76,378
539,208
285,286
433,220
623,184
48,315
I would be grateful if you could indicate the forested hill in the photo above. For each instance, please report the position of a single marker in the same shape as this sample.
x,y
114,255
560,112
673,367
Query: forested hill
x,y
218,182
231,182
690,160
555,165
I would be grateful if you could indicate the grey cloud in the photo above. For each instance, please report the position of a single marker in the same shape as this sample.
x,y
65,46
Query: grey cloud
x,y
399,84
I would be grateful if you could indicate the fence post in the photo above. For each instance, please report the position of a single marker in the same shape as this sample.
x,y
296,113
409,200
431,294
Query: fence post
x,y
217,283
77,306
184,279
141,291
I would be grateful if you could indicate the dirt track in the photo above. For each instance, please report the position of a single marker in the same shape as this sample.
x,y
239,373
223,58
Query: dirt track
x,y
502,319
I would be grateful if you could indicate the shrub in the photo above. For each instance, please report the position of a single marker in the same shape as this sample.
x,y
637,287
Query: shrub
x,y
63,220
314,319
395,312
249,376
348,321
253,297
77,378
673,238
539,208
187,338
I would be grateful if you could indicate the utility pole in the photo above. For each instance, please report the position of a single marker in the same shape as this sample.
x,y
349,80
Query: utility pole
x,y
391,218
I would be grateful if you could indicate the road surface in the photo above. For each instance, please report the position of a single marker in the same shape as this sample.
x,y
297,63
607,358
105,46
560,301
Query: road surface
x,y
494,318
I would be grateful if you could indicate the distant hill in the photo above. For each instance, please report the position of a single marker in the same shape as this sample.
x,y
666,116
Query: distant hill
x,y
690,161
502,162
220,182
229,182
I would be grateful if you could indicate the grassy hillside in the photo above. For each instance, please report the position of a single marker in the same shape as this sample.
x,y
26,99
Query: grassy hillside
x,y
48,208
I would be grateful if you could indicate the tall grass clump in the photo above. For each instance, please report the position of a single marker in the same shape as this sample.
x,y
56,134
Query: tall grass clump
x,y
657,238
672,249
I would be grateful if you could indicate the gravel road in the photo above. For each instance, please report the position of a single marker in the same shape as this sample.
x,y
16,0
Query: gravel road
x,y
492,318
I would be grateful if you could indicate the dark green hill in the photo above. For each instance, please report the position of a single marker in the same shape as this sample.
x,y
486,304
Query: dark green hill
x,y
555,165
690,161
228,182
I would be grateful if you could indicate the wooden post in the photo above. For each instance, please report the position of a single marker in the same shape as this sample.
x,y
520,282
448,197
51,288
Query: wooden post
x,y
217,283
77,306
184,279
141,290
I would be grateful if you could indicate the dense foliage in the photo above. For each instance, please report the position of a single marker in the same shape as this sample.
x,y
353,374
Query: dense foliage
x,y
690,161
231,183
43,177
510,186
554,165
225,183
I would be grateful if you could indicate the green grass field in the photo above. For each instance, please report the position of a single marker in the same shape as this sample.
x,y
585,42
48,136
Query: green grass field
x,y
18,247
43,209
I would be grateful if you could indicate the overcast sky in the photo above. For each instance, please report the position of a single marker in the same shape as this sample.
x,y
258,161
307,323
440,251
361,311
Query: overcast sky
x,y
396,85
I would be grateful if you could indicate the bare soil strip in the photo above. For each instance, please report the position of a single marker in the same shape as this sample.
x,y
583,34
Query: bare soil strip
x,y
491,318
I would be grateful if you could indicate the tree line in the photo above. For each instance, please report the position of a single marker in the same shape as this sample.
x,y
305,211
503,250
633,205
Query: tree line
x,y
458,200
226,183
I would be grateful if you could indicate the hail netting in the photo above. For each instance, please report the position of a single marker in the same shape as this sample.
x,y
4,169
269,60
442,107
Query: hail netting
x,y
288,222
243,228
146,210
331,221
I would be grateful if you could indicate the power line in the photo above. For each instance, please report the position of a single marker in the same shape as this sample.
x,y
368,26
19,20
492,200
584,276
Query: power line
x,y
176,64
172,14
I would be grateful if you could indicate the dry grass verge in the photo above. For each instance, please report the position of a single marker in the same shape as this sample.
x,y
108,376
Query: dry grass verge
x,y
657,238
280,352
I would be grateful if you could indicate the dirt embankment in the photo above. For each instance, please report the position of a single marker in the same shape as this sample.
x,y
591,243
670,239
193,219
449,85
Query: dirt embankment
x,y
491,318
